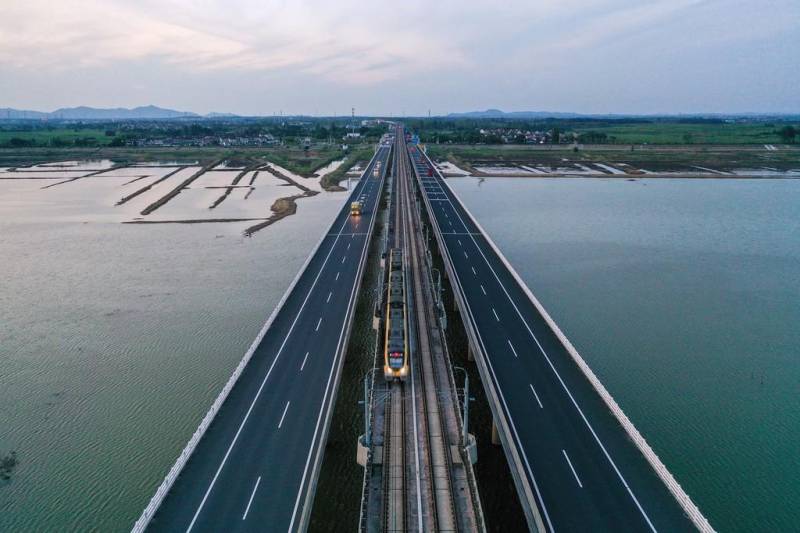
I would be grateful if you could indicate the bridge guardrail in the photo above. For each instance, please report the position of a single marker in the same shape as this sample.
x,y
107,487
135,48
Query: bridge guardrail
x,y
155,502
683,499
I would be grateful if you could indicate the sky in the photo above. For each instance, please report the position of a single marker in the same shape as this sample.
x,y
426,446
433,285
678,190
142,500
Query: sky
x,y
317,57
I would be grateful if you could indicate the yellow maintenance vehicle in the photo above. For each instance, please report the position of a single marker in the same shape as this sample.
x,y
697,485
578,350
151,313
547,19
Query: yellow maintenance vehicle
x,y
355,208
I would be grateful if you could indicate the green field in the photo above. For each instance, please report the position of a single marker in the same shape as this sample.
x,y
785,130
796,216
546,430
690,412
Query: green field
x,y
653,158
679,133
52,137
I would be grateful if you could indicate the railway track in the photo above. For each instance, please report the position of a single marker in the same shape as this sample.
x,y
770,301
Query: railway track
x,y
437,460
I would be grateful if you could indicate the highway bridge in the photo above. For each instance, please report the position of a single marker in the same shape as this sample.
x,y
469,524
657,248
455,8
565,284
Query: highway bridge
x,y
577,461
254,462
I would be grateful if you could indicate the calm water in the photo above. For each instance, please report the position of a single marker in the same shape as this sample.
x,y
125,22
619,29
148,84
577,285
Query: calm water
x,y
114,340
684,297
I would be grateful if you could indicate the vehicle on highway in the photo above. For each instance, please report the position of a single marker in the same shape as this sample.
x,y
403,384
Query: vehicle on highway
x,y
377,172
355,208
395,349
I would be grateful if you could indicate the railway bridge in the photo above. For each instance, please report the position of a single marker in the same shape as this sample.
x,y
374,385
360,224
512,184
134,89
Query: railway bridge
x,y
577,461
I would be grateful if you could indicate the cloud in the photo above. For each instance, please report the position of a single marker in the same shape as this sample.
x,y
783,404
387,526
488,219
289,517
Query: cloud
x,y
255,36
586,55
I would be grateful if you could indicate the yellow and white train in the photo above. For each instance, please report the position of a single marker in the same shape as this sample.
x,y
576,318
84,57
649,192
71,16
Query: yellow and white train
x,y
395,350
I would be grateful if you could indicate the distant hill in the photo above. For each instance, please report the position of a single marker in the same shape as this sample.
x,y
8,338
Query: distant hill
x,y
496,113
93,113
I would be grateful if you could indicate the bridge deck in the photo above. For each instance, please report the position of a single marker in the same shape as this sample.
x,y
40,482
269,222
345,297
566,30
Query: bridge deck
x,y
256,466
572,459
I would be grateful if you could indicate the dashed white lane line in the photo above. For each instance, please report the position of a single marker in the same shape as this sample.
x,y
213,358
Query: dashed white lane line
x,y
536,396
302,366
318,323
337,276
250,501
284,414
574,473
495,315
473,272
348,245
343,259
512,349
329,297
466,255
459,242
483,290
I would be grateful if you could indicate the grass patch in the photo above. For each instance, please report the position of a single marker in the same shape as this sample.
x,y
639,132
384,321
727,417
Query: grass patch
x,y
653,158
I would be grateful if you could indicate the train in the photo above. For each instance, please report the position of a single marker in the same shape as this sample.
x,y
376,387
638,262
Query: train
x,y
395,349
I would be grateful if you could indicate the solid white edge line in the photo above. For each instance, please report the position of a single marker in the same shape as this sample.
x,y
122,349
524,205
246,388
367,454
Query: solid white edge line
x,y
250,501
574,473
284,414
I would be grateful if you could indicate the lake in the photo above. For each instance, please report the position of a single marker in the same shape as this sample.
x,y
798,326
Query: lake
x,y
115,339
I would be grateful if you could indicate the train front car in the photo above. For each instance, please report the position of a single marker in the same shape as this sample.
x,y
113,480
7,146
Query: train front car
x,y
395,351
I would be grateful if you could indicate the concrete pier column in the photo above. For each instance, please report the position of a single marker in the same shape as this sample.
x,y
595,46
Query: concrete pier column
x,y
495,434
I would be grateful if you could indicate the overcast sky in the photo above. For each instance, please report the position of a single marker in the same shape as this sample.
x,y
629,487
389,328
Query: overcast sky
x,y
322,57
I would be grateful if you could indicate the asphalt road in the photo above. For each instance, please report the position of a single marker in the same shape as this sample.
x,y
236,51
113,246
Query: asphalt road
x,y
584,472
256,467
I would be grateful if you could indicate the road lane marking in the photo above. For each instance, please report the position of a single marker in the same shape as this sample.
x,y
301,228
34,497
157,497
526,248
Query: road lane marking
x,y
329,297
512,348
484,290
574,473
318,323
473,272
536,395
348,245
343,258
337,276
284,414
304,362
459,242
250,501
466,255
495,315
